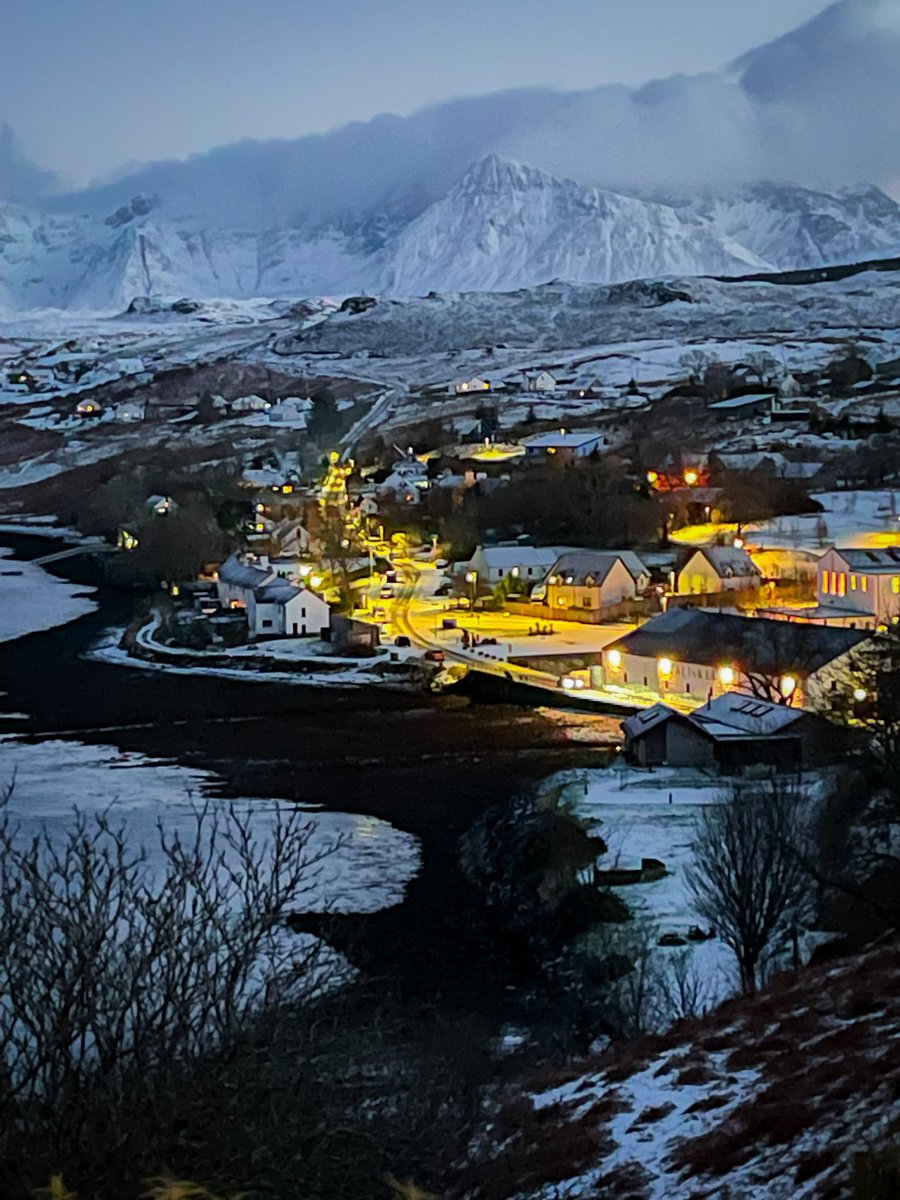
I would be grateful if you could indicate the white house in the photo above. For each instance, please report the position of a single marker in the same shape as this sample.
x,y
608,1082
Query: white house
x,y
860,586
464,386
405,482
538,381
492,565
717,569
238,578
279,609
589,580
129,412
254,403
562,446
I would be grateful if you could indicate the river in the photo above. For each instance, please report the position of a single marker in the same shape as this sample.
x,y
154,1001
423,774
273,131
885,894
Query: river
x,y
427,766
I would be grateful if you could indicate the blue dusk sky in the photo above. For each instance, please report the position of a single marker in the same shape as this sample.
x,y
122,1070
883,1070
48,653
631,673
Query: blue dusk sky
x,y
91,85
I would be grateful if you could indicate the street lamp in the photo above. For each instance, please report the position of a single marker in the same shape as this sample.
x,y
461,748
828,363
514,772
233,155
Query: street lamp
x,y
472,580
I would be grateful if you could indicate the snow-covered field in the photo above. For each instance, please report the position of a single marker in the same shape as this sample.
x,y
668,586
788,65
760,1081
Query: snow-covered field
x,y
850,519
644,813
32,600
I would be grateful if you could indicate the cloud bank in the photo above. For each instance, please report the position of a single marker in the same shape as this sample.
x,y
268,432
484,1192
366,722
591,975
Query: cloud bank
x,y
819,107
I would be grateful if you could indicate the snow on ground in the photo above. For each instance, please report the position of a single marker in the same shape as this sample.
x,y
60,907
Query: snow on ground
x,y
354,674
858,518
651,814
644,813
368,870
32,600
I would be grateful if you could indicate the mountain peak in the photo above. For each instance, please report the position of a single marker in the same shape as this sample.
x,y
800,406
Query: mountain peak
x,y
493,174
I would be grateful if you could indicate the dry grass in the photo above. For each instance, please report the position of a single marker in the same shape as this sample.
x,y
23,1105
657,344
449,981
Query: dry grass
x,y
822,1046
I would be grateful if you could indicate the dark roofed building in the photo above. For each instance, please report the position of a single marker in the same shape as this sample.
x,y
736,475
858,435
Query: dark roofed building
x,y
698,654
734,731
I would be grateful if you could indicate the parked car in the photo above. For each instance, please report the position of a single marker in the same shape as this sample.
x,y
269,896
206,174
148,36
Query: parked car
x,y
434,656
401,640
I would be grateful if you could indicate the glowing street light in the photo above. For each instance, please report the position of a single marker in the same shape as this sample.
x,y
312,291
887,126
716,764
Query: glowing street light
x,y
665,667
614,658
690,478
472,581
859,694
726,676
788,686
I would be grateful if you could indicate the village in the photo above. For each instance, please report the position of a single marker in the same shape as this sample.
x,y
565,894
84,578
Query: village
x,y
708,559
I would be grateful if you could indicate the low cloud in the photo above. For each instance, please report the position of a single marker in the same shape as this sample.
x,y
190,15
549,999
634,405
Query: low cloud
x,y
20,179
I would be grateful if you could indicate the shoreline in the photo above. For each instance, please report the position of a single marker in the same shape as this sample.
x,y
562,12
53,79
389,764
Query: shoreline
x,y
342,749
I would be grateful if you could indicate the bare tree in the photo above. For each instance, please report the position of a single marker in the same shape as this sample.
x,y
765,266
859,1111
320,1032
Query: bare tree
x,y
747,878
120,964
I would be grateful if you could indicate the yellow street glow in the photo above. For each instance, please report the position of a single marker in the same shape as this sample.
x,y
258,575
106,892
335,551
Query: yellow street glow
x,y
615,659
726,676
788,685
665,667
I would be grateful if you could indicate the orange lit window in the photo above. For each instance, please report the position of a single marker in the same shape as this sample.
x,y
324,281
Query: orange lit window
x,y
895,585
852,583
865,583
842,587
826,585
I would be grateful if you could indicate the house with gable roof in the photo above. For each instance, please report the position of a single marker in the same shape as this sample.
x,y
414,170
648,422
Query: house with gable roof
x,y
732,732
595,579
716,569
859,586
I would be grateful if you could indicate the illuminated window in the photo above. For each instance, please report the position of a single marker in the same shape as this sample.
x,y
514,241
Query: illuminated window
x,y
826,578
852,583
895,585
865,583
842,591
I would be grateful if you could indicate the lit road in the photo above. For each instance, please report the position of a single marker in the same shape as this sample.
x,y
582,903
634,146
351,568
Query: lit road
x,y
417,615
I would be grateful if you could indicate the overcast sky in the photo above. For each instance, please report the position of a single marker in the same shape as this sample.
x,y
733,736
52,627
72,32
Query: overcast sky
x,y
90,85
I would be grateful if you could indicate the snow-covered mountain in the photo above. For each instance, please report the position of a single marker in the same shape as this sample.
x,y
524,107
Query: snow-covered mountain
x,y
505,226
501,226
621,183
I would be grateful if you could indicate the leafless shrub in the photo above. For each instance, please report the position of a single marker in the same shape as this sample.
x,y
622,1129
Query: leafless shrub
x,y
121,964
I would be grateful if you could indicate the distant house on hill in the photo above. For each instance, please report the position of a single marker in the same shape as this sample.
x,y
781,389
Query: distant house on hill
x,y
561,446
585,387
537,381
464,386
754,404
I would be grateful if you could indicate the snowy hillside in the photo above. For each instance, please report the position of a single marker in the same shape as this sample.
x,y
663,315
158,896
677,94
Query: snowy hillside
x,y
502,226
767,1098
